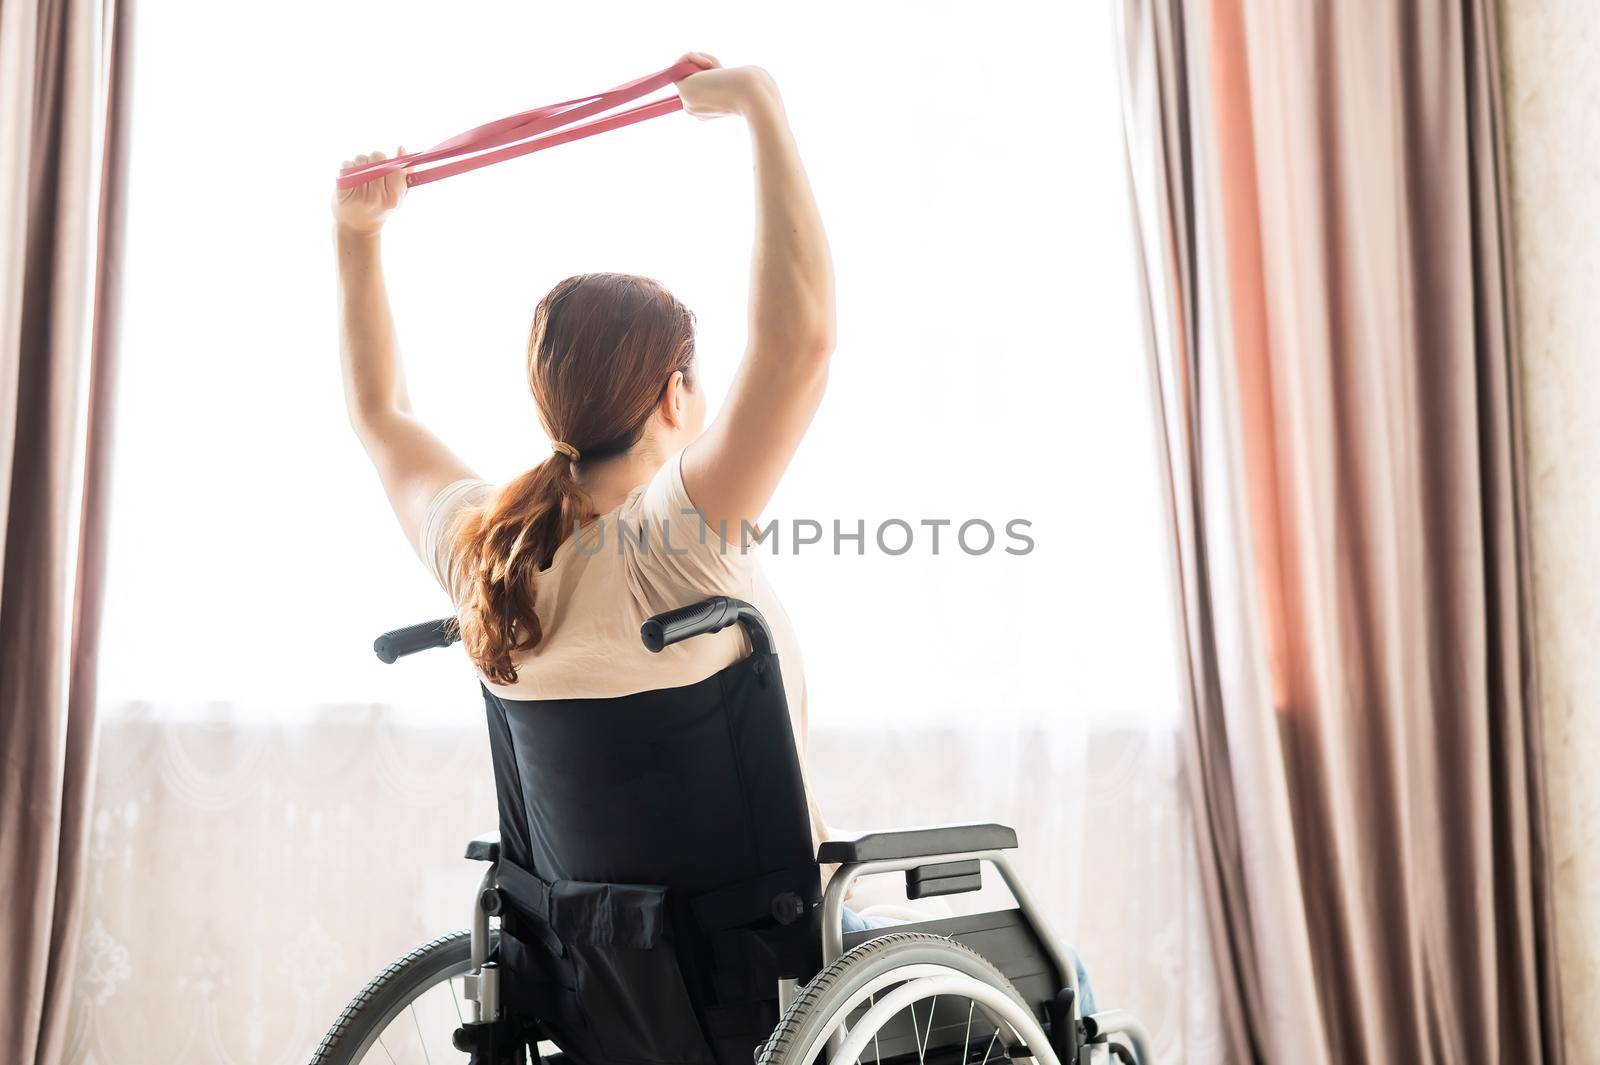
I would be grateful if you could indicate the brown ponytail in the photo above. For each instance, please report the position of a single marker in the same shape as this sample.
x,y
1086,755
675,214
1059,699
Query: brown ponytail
x,y
600,354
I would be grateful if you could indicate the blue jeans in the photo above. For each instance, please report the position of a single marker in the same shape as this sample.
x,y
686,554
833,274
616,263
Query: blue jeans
x,y
851,921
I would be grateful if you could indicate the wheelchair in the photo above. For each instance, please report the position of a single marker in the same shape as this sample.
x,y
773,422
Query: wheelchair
x,y
652,898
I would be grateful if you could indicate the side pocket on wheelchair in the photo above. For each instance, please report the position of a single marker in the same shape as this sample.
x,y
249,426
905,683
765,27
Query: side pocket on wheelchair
x,y
610,947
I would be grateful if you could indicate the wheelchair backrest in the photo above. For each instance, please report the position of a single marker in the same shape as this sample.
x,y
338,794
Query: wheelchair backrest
x,y
657,865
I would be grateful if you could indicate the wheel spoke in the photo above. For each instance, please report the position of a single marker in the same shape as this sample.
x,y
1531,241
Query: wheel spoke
x,y
456,1000
427,1057
990,1047
385,1047
927,1037
966,1040
877,1053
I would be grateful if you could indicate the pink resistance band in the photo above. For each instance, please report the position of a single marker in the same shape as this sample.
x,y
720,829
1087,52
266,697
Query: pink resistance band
x,y
531,131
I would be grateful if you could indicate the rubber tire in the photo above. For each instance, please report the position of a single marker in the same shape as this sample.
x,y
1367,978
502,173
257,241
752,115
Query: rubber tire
x,y
388,993
812,1010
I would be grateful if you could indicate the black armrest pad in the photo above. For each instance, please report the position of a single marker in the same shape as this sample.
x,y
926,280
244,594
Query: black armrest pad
x,y
485,848
918,843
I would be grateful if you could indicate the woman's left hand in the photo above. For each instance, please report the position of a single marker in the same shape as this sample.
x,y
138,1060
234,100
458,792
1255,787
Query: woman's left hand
x,y
364,208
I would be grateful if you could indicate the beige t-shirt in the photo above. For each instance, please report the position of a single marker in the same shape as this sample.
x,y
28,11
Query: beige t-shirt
x,y
653,553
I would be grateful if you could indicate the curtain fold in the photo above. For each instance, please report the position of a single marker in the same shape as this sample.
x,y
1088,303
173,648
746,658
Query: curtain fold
x,y
64,107
1326,264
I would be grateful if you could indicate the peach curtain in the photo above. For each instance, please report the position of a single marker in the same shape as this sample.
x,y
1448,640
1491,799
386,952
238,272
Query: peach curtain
x,y
1321,203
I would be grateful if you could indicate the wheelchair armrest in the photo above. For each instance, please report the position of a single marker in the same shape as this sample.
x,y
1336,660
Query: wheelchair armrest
x,y
485,848
928,842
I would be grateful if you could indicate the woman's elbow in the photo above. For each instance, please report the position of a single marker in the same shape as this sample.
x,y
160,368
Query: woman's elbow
x,y
795,352
805,362
369,422
816,347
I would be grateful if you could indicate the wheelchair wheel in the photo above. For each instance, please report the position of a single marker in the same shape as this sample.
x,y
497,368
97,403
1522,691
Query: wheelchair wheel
x,y
908,997
408,1012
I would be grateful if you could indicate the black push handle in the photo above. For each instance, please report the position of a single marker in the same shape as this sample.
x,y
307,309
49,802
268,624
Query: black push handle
x,y
710,615
422,636
696,619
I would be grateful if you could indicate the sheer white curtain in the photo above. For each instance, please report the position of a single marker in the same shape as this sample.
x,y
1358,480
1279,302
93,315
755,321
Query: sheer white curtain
x,y
279,815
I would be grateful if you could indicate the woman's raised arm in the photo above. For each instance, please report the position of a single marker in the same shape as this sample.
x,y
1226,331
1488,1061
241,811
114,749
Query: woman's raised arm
x,y
732,470
412,463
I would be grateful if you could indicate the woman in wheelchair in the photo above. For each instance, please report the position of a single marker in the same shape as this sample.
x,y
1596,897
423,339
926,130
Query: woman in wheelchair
x,y
657,876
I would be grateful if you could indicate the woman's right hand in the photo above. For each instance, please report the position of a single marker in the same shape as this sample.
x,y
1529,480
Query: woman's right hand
x,y
717,90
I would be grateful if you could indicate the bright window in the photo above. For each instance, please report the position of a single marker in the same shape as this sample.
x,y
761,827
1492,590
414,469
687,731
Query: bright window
x,y
990,366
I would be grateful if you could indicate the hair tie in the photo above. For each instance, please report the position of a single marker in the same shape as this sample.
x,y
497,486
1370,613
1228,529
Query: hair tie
x,y
562,448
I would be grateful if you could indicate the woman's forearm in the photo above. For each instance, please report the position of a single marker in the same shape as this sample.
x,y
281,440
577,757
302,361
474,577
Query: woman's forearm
x,y
412,463
374,384
791,275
